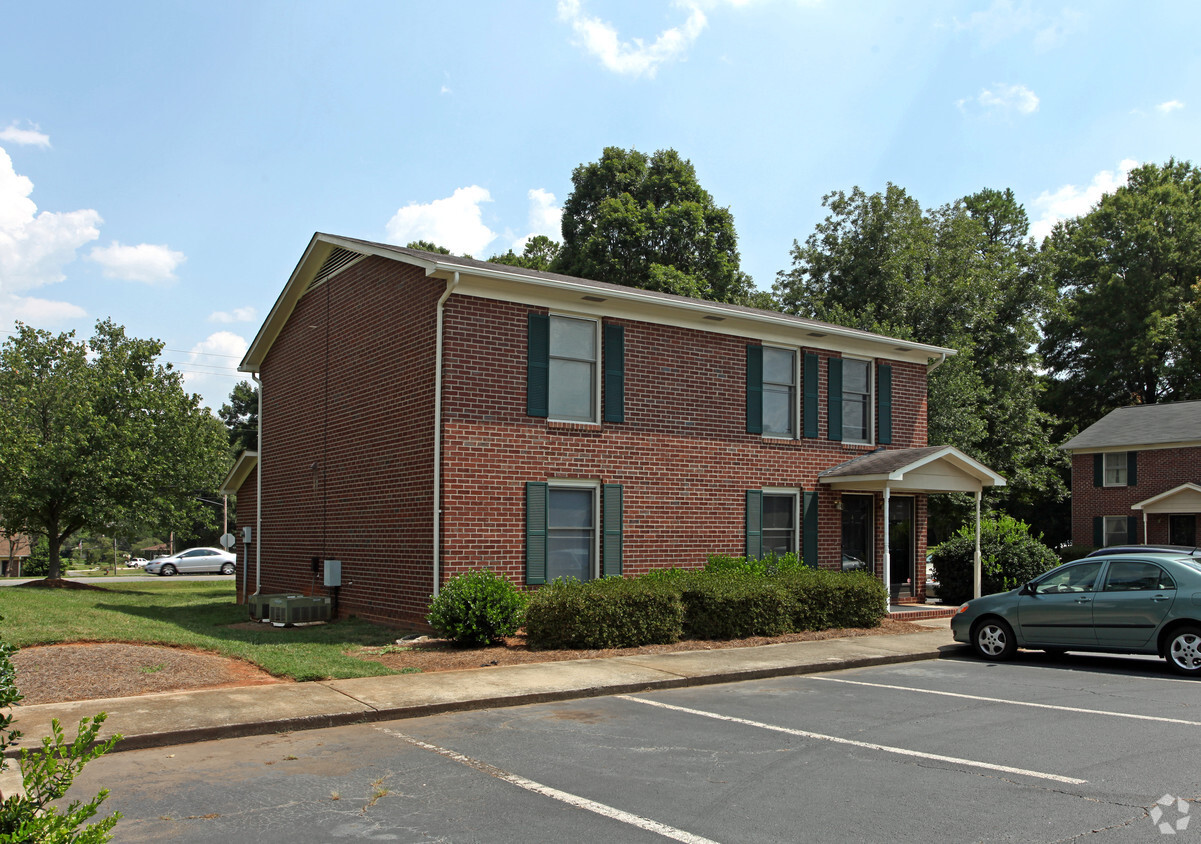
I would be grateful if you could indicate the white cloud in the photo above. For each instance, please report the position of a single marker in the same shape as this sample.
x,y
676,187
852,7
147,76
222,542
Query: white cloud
x,y
35,311
1006,19
34,247
455,222
25,137
236,315
545,218
1072,201
1170,106
634,57
1002,99
145,262
211,368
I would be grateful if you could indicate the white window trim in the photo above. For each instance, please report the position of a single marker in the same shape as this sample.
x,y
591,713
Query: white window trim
x,y
796,395
871,401
597,365
795,493
1105,520
595,487
1105,469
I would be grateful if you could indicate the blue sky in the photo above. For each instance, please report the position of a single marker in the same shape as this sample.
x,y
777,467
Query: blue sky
x,y
165,163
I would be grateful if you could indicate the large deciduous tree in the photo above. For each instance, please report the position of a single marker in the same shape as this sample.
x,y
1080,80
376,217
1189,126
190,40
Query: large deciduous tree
x,y
644,221
1126,328
241,417
962,276
97,434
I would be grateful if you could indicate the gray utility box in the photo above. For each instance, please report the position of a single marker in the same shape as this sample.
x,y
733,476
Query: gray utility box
x,y
260,605
298,609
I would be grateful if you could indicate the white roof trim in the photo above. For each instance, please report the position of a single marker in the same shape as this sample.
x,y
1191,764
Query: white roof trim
x,y
241,470
1163,496
961,462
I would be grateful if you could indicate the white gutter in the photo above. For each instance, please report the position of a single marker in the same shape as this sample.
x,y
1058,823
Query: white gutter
x,y
930,367
450,286
258,498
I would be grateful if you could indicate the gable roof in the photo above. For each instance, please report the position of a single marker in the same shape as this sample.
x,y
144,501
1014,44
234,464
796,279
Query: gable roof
x,y
1145,425
327,254
934,468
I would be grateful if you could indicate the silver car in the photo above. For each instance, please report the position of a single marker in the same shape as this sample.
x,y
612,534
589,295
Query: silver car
x,y
193,561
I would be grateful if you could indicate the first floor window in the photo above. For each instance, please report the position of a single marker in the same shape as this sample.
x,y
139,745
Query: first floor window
x,y
1115,469
779,523
570,533
1115,530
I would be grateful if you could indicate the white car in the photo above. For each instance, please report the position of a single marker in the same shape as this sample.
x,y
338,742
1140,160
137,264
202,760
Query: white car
x,y
136,563
193,561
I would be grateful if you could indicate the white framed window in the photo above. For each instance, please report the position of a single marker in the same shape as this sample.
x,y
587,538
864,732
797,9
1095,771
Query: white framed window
x,y
779,392
856,400
572,538
1115,530
780,520
573,389
1115,465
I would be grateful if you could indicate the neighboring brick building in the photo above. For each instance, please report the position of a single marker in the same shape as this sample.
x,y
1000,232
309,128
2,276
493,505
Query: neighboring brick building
x,y
572,428
1136,476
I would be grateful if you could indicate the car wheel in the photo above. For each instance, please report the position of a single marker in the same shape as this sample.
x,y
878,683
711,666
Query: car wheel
x,y
167,570
227,568
993,639
1184,651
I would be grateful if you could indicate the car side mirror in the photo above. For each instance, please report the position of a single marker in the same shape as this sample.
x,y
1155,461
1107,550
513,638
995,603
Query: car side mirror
x,y
1028,589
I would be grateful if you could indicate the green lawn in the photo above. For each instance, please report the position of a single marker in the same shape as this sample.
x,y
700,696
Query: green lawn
x,y
194,614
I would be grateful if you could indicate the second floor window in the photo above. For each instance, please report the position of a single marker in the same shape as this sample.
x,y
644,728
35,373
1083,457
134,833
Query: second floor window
x,y
572,388
779,392
856,400
1115,469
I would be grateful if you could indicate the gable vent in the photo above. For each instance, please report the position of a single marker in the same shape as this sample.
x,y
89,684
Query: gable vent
x,y
337,261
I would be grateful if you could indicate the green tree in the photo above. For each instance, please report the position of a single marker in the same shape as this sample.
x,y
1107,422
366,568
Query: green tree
x,y
1126,328
963,276
241,417
98,434
644,221
539,253
427,246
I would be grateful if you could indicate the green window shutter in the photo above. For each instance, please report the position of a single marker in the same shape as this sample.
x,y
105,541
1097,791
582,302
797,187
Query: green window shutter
x,y
810,388
809,529
1098,531
884,403
611,538
834,399
537,380
754,523
1132,529
1132,468
537,500
754,389
1098,470
615,373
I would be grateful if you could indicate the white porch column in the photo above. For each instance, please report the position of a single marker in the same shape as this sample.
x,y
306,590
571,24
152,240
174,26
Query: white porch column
x,y
976,572
887,556
1145,539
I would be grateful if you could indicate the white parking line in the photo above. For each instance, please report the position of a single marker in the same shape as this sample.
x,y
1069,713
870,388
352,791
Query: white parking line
x,y
901,751
1012,702
555,794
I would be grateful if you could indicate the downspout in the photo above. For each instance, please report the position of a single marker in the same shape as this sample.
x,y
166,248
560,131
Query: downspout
x,y
437,567
258,497
930,367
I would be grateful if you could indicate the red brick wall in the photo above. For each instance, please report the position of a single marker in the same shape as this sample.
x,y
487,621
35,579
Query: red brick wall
x,y
247,495
682,455
347,441
1159,470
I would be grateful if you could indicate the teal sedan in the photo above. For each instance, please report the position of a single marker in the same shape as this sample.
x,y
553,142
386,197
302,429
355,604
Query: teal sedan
x,y
1132,604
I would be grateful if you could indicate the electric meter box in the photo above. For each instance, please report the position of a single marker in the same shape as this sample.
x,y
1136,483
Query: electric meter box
x,y
333,572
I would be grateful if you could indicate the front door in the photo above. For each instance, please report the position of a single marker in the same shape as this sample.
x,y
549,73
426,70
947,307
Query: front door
x,y
900,546
1182,529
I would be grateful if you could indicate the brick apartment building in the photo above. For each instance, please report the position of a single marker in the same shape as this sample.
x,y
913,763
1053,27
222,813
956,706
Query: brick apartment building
x,y
1136,476
423,415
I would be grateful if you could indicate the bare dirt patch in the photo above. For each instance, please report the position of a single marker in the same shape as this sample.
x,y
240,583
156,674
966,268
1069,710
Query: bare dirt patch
x,y
59,583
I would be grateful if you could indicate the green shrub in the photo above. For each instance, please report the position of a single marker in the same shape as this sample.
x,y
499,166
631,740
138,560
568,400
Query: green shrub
x,y
825,599
477,607
735,605
1009,557
767,566
613,612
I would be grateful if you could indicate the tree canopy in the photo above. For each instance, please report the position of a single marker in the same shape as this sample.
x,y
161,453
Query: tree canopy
x,y
98,434
540,253
962,276
645,221
241,417
1126,327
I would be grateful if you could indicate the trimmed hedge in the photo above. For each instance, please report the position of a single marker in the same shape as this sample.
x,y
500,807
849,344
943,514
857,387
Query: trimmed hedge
x,y
1009,557
477,607
735,606
825,599
612,612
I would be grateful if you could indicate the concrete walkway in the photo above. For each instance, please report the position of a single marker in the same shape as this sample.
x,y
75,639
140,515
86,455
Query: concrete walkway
x,y
171,718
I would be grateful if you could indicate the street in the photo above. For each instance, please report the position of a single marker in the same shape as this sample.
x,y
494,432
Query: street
x,y
1039,750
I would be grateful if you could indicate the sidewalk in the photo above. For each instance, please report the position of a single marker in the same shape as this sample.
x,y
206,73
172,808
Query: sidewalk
x,y
180,717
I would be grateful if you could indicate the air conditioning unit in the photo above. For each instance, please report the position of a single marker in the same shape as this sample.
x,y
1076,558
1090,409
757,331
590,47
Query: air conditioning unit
x,y
298,609
260,605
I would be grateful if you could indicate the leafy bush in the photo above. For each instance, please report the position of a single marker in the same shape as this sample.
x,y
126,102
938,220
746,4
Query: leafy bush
x,y
1009,557
767,566
612,612
825,599
477,607
735,605
47,774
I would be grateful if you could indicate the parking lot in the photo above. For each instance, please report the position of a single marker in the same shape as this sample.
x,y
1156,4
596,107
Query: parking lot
x,y
949,750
